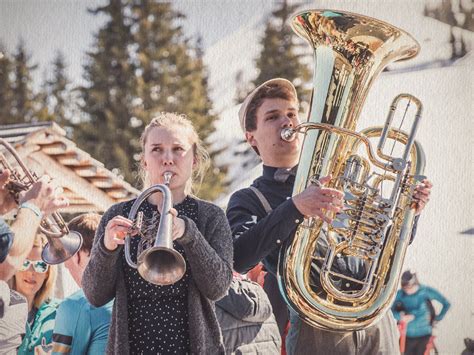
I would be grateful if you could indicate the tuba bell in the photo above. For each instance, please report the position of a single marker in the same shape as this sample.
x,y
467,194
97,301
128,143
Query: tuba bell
x,y
161,264
62,243
373,229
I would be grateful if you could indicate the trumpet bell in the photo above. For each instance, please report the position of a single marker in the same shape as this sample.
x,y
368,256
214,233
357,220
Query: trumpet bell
x,y
161,266
58,250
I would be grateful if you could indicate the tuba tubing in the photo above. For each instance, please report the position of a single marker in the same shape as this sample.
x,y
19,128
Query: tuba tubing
x,y
373,229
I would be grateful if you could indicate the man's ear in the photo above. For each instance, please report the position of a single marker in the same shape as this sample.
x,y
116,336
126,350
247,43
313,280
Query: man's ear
x,y
249,136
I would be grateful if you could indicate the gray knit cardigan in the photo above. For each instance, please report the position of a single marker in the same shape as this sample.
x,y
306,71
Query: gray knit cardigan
x,y
208,248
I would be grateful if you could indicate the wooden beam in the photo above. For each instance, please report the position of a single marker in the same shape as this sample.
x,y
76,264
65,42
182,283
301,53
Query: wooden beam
x,y
85,171
67,178
55,148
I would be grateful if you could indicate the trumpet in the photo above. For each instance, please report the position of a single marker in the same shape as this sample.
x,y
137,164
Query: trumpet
x,y
161,264
62,243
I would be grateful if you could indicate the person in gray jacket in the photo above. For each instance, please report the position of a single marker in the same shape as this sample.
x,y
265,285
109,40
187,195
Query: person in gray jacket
x,y
247,321
179,318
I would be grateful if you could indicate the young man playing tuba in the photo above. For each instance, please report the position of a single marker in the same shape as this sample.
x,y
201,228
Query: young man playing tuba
x,y
265,215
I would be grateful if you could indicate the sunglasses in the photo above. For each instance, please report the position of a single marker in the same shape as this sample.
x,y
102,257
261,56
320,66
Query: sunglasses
x,y
38,265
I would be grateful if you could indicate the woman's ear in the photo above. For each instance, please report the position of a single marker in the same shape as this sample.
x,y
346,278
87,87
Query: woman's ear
x,y
142,161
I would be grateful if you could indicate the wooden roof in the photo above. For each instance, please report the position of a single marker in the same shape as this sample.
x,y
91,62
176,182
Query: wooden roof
x,y
88,185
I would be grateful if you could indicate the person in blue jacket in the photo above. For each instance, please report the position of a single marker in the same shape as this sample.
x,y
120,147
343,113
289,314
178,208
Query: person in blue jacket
x,y
80,327
413,306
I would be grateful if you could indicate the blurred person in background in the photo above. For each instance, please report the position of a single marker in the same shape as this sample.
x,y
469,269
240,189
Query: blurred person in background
x,y
246,319
16,241
35,204
81,328
35,280
413,305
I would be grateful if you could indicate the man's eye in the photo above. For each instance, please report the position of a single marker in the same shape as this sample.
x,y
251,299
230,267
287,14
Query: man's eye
x,y
273,117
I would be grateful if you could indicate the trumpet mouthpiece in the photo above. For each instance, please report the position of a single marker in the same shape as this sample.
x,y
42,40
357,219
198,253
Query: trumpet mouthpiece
x,y
167,175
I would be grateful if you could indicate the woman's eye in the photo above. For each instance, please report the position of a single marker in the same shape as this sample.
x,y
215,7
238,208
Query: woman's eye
x,y
178,149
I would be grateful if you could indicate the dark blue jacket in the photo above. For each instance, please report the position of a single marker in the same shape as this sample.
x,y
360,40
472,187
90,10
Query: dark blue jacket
x,y
258,236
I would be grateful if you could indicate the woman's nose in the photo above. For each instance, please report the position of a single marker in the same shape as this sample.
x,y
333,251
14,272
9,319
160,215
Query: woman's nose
x,y
168,158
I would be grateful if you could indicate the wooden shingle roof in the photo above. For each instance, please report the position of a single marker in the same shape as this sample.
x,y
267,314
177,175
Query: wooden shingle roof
x,y
87,184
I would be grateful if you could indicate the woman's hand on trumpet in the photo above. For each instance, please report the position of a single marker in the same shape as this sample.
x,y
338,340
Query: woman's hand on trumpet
x,y
116,231
178,225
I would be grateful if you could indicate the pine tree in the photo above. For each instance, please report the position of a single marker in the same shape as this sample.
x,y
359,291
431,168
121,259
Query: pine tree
x,y
23,105
279,57
6,67
107,99
56,96
172,77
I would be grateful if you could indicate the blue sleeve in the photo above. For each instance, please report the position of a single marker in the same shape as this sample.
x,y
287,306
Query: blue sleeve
x,y
435,295
396,307
97,346
65,339
63,329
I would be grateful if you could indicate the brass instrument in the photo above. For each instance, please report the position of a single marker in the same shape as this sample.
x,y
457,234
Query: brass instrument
x,y
373,229
62,243
160,264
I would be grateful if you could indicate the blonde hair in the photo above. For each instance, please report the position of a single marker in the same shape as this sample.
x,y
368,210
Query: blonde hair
x,y
201,157
47,289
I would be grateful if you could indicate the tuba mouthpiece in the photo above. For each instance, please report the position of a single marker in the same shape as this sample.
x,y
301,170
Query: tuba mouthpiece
x,y
288,134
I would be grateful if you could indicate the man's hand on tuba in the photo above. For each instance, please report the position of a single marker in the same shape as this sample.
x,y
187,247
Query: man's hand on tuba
x,y
317,201
422,195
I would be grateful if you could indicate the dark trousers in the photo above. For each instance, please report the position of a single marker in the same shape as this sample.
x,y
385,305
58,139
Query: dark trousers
x,y
280,309
416,346
379,339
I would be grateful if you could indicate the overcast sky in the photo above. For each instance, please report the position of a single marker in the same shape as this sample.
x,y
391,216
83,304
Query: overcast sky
x,y
49,26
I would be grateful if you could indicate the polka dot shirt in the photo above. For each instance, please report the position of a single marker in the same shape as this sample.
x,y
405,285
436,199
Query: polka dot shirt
x,y
158,315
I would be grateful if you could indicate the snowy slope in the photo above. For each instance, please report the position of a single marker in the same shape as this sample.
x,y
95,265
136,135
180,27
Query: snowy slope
x,y
237,53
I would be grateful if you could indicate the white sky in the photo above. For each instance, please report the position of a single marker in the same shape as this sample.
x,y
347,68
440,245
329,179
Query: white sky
x,y
47,26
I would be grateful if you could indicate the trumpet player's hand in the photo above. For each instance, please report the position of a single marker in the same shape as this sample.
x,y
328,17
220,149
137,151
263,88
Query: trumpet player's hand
x,y
317,201
7,202
178,225
422,195
44,195
116,231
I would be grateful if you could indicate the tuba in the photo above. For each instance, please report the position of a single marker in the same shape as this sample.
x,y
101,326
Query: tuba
x,y
343,276
161,264
62,243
